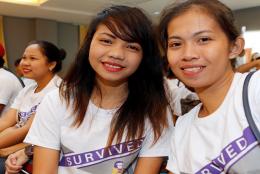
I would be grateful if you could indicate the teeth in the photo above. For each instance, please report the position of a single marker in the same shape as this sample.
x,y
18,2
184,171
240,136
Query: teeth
x,y
112,66
195,69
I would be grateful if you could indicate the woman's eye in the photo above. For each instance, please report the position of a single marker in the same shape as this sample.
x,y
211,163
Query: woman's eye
x,y
33,58
106,41
204,40
174,45
133,47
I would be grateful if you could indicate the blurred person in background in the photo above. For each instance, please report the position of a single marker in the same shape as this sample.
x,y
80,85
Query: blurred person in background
x,y
41,61
253,65
10,85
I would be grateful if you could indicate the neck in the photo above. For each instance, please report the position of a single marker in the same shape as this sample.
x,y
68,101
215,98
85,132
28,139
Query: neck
x,y
42,82
213,96
109,96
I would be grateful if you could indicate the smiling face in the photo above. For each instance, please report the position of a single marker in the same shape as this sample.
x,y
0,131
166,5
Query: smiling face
x,y
113,59
34,63
198,50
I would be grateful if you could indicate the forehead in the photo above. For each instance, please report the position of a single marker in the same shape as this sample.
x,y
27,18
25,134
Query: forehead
x,y
33,49
120,30
102,28
192,21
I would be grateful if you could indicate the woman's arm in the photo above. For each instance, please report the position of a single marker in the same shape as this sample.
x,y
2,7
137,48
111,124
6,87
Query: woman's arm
x,y
148,165
45,160
14,135
246,67
8,119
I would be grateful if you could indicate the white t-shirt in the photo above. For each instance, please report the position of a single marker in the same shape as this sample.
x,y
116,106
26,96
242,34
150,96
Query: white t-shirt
x,y
82,148
222,141
27,100
9,88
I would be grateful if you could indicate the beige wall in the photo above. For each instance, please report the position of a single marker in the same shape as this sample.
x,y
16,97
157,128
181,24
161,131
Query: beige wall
x,y
19,31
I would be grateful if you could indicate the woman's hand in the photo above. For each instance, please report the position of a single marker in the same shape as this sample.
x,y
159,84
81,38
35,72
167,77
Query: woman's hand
x,y
15,161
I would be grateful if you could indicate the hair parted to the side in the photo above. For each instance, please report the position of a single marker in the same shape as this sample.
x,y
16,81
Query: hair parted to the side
x,y
222,14
146,96
52,52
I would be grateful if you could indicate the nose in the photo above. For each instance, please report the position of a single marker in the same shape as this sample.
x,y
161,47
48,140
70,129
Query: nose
x,y
190,52
116,51
24,61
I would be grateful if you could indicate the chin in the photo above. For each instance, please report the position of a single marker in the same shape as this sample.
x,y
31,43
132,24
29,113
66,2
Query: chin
x,y
192,84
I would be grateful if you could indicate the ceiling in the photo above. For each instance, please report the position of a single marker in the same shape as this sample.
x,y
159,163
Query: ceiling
x,y
81,11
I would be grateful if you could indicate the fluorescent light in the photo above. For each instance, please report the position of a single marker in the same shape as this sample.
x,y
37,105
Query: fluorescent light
x,y
25,2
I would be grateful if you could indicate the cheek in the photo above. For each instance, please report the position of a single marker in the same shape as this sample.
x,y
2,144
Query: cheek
x,y
96,52
135,63
172,59
92,56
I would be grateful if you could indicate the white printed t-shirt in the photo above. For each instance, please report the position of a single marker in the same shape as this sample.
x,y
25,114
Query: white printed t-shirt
x,y
82,148
222,141
27,100
9,88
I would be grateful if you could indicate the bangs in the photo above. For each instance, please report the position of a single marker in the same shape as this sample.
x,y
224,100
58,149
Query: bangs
x,y
123,30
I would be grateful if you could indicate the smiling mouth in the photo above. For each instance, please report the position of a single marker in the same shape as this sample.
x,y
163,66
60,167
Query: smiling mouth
x,y
193,69
111,67
26,70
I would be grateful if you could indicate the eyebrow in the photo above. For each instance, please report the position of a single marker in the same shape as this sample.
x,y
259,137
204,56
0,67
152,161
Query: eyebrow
x,y
195,34
108,34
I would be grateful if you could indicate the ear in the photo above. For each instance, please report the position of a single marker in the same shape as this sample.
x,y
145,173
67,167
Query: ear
x,y
52,65
237,47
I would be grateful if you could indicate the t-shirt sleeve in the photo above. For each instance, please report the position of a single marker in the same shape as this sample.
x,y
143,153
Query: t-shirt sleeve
x,y
45,129
172,162
161,147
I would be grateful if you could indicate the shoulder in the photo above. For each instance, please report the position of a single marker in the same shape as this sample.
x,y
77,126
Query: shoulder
x,y
54,95
254,83
254,89
7,76
255,79
53,103
53,84
57,80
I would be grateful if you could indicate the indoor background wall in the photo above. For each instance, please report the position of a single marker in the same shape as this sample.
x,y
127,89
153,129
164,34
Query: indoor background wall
x,y
248,17
19,31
